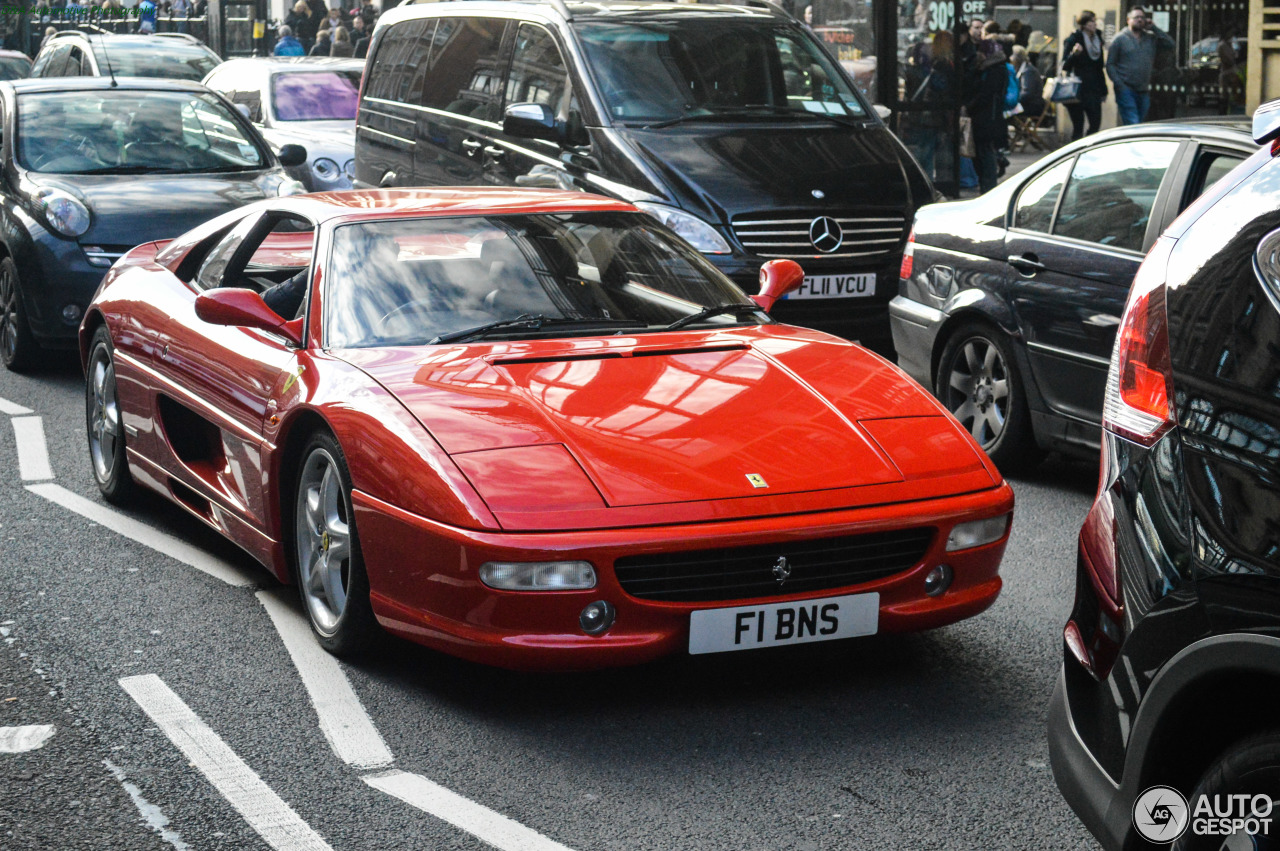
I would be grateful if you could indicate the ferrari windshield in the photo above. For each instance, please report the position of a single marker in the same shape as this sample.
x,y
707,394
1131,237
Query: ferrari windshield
x,y
710,68
131,131
418,281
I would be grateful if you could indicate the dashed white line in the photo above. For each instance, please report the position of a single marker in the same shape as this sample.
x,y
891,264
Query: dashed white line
x,y
151,814
480,821
13,409
33,452
343,719
145,535
272,819
23,739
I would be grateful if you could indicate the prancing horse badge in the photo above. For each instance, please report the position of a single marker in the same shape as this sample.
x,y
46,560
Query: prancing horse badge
x,y
757,480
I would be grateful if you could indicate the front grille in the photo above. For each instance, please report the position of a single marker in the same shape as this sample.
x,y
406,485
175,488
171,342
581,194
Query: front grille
x,y
773,234
742,573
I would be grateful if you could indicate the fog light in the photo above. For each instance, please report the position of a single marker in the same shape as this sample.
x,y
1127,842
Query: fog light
x,y
71,313
596,618
938,580
975,533
538,576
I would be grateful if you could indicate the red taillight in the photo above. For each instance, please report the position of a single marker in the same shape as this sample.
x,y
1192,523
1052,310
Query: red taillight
x,y
908,257
1139,386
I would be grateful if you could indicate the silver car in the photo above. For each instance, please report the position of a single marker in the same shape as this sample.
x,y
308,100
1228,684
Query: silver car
x,y
301,101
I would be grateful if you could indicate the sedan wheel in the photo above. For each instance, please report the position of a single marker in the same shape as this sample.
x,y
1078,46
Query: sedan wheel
x,y
330,571
980,385
17,347
104,424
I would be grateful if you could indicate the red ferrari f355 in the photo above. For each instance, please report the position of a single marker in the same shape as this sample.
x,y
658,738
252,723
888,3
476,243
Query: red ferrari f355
x,y
530,428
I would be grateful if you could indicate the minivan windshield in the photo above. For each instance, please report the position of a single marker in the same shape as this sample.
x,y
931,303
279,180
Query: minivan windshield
x,y
440,280
699,67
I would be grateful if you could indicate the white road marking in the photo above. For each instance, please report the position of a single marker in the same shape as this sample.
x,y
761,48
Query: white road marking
x,y
343,719
151,814
145,535
33,452
480,821
23,739
273,819
13,409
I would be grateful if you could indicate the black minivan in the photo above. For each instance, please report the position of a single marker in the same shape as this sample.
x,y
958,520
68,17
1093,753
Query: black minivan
x,y
730,124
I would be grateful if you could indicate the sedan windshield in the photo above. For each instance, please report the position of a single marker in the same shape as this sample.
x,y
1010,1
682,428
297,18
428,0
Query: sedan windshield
x,y
171,59
316,95
14,68
703,68
418,281
127,131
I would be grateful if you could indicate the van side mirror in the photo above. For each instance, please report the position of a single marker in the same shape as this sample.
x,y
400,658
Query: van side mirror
x,y
532,121
777,278
245,309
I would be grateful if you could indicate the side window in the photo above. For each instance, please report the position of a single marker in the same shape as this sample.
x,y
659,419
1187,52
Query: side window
x,y
57,61
397,60
1210,167
1111,192
538,73
74,64
1039,199
466,69
219,257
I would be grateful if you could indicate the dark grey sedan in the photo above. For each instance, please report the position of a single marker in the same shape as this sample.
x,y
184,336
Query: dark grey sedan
x,y
1009,303
90,168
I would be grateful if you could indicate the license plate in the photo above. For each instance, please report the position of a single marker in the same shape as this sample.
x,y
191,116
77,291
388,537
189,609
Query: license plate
x,y
773,624
836,286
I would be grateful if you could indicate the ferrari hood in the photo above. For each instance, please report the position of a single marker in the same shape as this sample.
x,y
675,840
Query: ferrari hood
x,y
683,419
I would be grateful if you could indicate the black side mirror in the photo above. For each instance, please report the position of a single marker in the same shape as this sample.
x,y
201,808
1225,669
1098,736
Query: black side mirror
x,y
532,121
292,155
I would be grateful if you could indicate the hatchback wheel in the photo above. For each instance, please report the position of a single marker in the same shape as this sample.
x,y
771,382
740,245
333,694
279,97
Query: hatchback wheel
x,y
980,385
18,348
1249,768
329,568
104,423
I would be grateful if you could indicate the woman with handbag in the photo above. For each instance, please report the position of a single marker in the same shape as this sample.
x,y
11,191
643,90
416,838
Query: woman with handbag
x,y
1082,56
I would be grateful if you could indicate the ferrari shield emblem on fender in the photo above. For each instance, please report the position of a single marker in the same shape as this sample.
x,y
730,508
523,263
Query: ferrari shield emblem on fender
x,y
757,480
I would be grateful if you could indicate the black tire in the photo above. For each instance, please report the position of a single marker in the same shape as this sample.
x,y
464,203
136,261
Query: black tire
x,y
979,383
335,596
104,423
1251,766
18,347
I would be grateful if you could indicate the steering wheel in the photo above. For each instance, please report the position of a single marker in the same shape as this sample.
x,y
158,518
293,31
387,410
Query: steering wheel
x,y
420,305
74,145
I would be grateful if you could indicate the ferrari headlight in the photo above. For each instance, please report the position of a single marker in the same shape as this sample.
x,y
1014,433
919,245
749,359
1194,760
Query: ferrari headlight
x,y
64,213
976,533
326,169
538,576
692,229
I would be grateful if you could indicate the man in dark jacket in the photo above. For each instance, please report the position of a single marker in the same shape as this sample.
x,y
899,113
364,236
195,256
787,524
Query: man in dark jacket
x,y
984,102
1130,59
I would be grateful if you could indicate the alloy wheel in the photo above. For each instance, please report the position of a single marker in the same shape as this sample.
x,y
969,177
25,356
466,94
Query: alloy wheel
x,y
323,540
978,385
104,415
8,314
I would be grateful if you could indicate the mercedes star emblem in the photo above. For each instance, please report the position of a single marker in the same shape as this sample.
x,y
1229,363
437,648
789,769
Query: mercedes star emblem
x,y
781,570
825,233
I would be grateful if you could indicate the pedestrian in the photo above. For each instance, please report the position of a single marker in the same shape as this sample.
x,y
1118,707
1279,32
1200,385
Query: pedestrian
x,y
322,45
146,17
360,36
303,24
1130,60
1030,83
286,44
341,43
1082,56
334,19
369,14
49,32
991,32
985,105
181,9
1230,74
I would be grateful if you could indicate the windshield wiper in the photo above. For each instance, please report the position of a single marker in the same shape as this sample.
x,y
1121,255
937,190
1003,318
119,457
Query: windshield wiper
x,y
708,312
129,169
530,321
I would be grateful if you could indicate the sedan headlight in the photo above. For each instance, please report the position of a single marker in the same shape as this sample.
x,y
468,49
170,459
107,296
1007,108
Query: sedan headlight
x,y
538,576
326,170
975,533
64,213
692,229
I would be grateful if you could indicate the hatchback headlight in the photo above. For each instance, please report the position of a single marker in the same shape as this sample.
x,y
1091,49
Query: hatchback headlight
x,y
538,576
326,170
692,229
64,213
976,533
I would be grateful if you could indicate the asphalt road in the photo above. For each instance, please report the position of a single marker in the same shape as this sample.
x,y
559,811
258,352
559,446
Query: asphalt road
x,y
926,741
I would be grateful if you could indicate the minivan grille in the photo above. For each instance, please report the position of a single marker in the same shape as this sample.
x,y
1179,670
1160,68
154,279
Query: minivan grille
x,y
866,234
742,573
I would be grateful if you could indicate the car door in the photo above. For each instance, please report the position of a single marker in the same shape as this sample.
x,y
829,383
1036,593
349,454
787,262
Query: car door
x,y
460,118
217,382
1070,267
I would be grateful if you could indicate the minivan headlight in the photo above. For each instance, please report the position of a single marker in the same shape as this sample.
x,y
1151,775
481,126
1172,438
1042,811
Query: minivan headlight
x,y
64,213
692,229
538,576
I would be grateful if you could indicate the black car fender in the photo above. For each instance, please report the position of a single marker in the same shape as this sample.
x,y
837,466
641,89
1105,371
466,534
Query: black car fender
x,y
16,242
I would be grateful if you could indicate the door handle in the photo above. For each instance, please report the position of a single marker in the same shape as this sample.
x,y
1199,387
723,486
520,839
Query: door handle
x,y
1028,264
471,146
495,152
